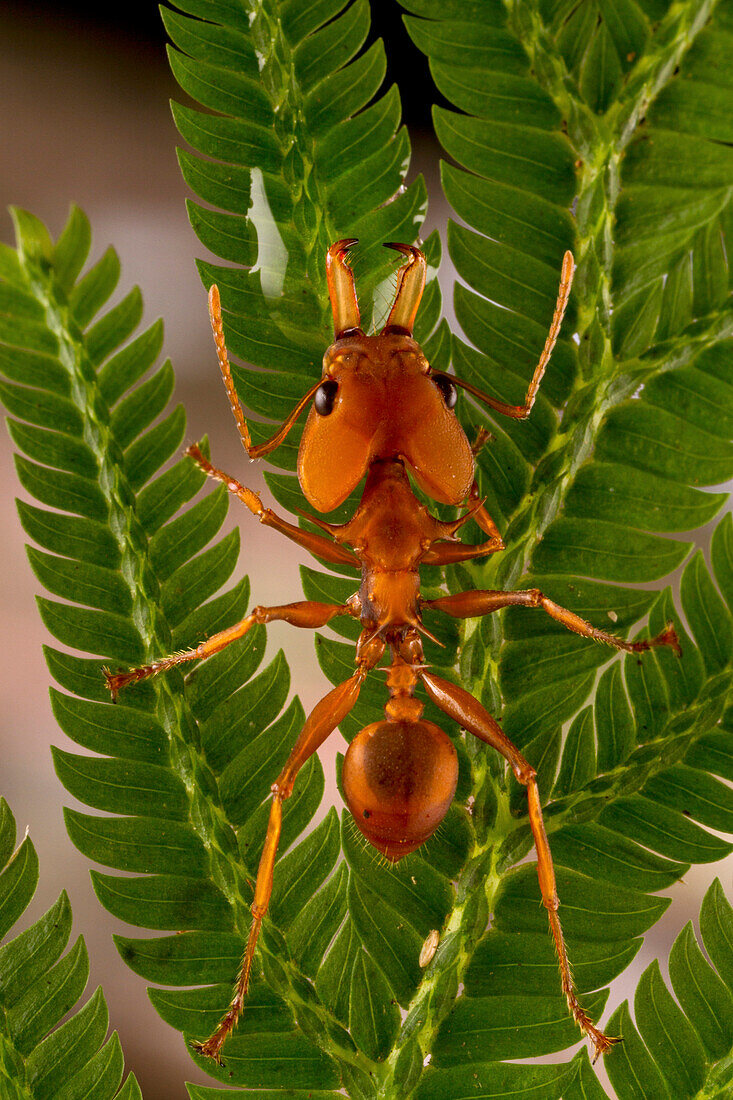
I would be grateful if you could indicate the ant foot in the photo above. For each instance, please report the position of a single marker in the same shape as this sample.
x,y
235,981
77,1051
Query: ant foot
x,y
669,638
601,1043
118,680
209,1049
194,452
115,681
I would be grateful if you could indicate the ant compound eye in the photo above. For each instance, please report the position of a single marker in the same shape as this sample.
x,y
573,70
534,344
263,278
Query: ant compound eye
x,y
325,397
448,391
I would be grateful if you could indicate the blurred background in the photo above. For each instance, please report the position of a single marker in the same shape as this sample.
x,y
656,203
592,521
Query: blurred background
x,y
85,118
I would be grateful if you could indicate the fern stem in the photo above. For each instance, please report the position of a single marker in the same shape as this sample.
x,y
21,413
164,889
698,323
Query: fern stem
x,y
207,820
280,82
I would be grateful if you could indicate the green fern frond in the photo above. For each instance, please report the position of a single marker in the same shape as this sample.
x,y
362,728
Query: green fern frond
x,y
184,770
41,1057
683,1047
561,110
676,1048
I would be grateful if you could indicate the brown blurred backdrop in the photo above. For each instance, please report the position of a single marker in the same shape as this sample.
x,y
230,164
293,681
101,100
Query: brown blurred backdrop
x,y
85,117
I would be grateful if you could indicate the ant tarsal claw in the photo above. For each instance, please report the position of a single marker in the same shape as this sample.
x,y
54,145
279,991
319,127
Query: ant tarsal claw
x,y
211,1048
601,1044
116,681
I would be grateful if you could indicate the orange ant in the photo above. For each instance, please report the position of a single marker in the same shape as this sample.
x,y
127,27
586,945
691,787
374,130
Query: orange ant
x,y
380,410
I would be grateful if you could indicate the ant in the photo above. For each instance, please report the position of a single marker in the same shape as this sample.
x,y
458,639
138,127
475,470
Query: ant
x,y
380,410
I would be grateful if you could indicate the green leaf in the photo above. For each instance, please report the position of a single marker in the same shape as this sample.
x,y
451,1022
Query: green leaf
x,y
679,1047
486,1028
396,948
495,963
489,1079
72,247
593,910
374,1017
39,985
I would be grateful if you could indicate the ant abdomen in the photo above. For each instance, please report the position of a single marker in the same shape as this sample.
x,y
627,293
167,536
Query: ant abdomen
x,y
399,779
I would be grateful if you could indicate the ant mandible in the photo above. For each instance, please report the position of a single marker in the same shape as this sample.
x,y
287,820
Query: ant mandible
x,y
380,410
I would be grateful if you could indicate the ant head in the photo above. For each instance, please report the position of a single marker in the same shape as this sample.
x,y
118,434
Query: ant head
x,y
378,398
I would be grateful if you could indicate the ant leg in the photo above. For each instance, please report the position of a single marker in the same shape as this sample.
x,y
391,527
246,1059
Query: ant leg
x,y
485,522
306,613
461,706
321,722
483,435
521,412
261,449
469,605
448,553
317,544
